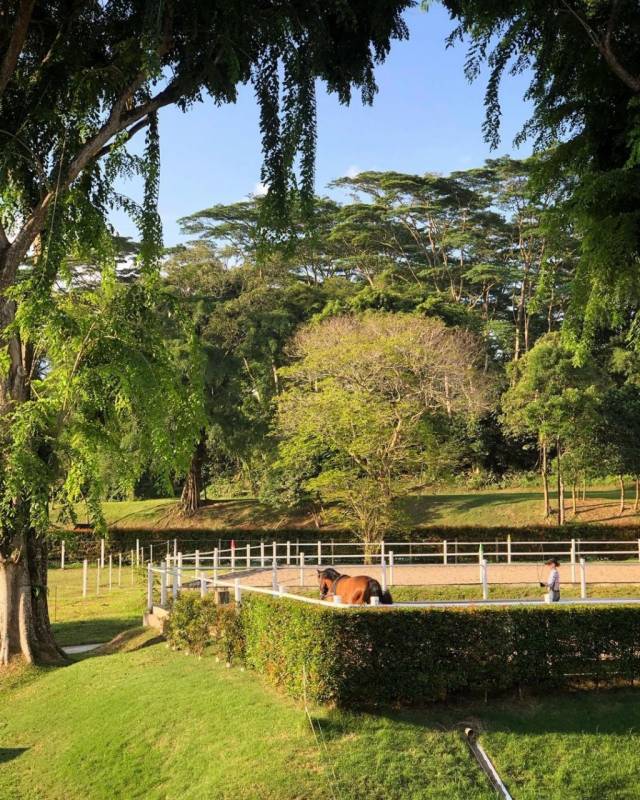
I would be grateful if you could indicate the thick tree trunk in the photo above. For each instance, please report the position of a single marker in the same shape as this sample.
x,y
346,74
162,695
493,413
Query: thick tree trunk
x,y
621,484
190,499
545,481
560,486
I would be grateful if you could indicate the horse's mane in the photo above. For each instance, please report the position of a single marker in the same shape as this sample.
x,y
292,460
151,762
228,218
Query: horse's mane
x,y
330,573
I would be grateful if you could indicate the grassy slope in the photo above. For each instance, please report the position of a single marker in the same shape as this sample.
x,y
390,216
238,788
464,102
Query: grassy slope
x,y
490,508
156,724
98,617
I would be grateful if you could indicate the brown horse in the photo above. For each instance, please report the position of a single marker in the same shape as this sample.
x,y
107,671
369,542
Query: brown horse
x,y
356,590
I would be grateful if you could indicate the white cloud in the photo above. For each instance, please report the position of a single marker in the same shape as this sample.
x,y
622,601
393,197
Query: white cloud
x,y
260,189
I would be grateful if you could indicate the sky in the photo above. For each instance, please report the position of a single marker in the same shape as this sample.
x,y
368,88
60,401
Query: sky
x,y
426,117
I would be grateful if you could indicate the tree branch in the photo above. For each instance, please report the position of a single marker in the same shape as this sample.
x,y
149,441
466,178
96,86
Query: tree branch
x,y
16,42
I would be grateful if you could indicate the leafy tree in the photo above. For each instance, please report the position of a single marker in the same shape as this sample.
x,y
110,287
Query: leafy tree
x,y
583,57
77,82
552,399
618,434
368,400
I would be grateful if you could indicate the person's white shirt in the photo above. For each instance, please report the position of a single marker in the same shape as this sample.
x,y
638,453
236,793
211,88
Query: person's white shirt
x,y
553,581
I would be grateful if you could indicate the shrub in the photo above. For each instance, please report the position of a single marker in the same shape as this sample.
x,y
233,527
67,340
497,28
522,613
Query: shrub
x,y
412,656
195,623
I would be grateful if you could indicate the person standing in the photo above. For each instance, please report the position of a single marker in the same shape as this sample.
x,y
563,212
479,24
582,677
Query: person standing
x,y
553,581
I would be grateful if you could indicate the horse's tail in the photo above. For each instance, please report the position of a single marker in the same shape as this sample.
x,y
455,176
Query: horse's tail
x,y
375,590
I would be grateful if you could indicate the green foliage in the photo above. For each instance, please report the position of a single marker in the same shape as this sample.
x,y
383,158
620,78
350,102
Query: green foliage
x,y
196,623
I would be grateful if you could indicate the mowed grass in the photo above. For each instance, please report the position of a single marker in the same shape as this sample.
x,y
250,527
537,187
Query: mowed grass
x,y
157,724
103,613
431,507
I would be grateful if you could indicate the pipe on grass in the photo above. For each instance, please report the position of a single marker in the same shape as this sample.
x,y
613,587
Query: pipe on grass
x,y
485,763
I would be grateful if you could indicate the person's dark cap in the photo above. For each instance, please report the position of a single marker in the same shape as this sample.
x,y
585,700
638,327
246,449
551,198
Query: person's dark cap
x,y
553,561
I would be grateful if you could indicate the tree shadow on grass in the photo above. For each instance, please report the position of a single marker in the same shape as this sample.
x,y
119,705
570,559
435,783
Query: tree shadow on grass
x,y
9,753
91,631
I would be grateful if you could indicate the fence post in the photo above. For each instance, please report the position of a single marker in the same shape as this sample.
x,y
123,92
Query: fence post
x,y
445,553
573,561
203,585
288,553
132,567
180,570
163,584
638,549
62,555
137,552
110,571
151,553
149,588
274,575
383,567
168,548
233,559
274,550
197,562
583,579
174,588
237,591
390,567
85,577
248,556
483,578
480,553
262,553
216,562
142,556
301,560
175,548
102,553
119,569
98,577
319,552
382,552
509,549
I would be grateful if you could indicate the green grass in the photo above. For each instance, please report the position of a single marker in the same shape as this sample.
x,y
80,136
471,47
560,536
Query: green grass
x,y
157,724
150,723
432,507
98,617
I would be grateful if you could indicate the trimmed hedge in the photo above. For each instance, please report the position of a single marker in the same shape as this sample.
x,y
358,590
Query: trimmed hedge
x,y
413,656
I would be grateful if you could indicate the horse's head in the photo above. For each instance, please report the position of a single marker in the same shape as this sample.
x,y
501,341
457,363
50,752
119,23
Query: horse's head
x,y
326,578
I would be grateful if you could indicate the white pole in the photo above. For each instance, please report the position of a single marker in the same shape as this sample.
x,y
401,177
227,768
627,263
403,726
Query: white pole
x,y
110,571
85,577
137,552
142,556
480,553
237,591
175,548
197,562
319,552
248,556
445,554
132,567
163,584
383,567
638,549
102,553
149,588
301,560
262,554
274,575
573,561
583,579
274,550
203,585
485,583
175,582
168,548
180,570
119,569
233,559
390,567
151,554
62,555
288,553
215,563
509,549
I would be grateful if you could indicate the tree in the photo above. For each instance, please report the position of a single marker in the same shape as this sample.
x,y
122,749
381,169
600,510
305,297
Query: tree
x,y
553,399
617,436
77,82
583,59
369,399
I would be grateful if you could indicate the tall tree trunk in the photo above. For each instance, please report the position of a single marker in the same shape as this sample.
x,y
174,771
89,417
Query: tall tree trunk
x,y
545,481
25,629
573,498
190,499
621,484
584,489
637,498
560,486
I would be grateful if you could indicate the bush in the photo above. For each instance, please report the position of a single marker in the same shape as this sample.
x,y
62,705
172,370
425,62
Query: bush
x,y
413,656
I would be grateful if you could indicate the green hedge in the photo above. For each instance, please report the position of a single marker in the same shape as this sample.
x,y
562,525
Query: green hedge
x,y
413,656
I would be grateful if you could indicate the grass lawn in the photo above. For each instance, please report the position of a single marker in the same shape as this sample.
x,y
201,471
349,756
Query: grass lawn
x,y
433,507
98,617
146,722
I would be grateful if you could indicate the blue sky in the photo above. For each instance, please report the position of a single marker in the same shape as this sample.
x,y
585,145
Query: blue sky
x,y
425,118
